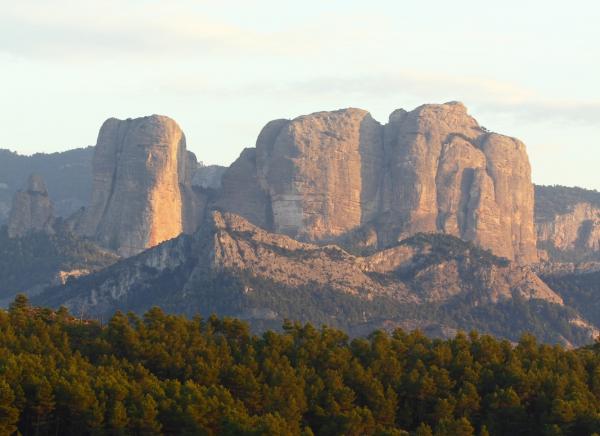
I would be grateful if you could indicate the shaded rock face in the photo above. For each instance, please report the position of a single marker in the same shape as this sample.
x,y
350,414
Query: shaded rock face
x,y
341,174
208,176
578,229
31,209
142,191
241,192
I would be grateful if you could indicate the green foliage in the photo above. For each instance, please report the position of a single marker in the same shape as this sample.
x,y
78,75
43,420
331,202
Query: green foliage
x,y
165,374
35,259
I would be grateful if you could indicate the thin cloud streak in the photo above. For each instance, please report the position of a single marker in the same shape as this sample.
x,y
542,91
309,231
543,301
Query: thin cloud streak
x,y
487,95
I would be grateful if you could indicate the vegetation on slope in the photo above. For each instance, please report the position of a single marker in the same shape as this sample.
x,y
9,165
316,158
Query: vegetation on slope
x,y
165,374
34,259
67,175
265,304
580,291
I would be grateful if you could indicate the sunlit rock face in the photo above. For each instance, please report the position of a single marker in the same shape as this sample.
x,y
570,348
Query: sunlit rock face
x,y
142,191
322,172
341,174
449,175
31,209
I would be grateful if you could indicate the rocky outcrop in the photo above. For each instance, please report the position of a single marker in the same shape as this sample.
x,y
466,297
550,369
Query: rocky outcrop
x,y
578,229
568,224
420,270
142,192
338,175
31,209
67,174
322,172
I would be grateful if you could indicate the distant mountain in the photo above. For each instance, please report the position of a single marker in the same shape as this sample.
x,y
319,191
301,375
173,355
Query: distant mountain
x,y
568,223
230,267
30,263
68,176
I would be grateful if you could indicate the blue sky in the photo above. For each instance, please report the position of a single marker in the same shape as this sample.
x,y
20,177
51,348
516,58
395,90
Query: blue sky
x,y
529,69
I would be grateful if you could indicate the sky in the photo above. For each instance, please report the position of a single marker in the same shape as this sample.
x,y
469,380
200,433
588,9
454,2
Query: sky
x,y
223,69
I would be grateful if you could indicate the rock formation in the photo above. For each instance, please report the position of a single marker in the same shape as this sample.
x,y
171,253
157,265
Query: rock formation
x,y
568,223
417,271
578,229
142,191
31,209
68,176
341,174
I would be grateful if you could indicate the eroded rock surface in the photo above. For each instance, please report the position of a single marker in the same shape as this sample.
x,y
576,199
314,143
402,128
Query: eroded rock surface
x,y
341,174
142,191
578,229
31,209
424,269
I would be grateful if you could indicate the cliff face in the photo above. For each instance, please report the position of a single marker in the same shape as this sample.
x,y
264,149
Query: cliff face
x,y
31,209
142,191
568,223
322,172
341,174
577,229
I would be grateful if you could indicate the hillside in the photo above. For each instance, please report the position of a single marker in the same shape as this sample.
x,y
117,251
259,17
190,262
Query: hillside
x,y
580,291
31,262
230,267
68,176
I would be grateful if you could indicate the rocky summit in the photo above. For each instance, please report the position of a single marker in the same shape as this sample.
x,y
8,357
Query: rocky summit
x,y
342,175
31,209
142,191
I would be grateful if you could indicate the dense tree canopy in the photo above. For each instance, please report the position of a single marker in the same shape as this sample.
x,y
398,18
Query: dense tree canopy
x,y
165,374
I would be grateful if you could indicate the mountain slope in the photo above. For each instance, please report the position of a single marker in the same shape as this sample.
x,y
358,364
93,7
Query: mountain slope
x,y
230,267
68,176
37,259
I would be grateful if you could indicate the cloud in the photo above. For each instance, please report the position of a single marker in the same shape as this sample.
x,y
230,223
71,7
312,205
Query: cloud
x,y
486,95
67,29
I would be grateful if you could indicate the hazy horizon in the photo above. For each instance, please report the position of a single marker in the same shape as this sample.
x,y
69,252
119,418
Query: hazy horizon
x,y
222,71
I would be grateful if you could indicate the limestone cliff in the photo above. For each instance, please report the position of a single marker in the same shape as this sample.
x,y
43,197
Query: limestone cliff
x,y
31,209
142,191
579,228
341,174
568,223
